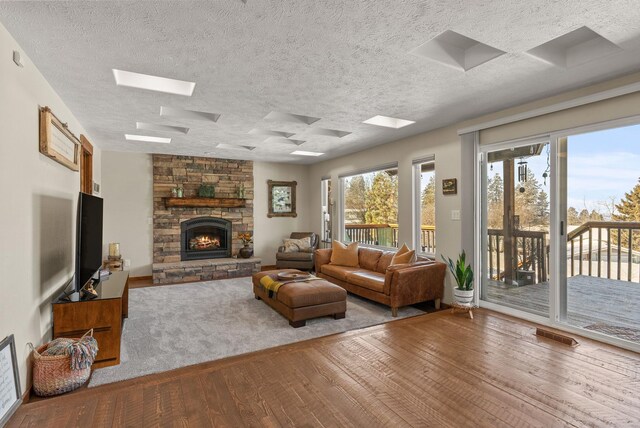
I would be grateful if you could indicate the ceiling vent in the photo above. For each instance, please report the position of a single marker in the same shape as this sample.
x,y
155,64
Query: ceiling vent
x,y
575,48
329,132
457,51
188,114
289,117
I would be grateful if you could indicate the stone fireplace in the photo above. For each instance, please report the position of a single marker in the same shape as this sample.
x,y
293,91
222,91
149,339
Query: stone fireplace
x,y
205,238
194,242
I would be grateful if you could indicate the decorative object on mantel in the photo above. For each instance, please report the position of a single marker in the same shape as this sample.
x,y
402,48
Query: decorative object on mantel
x,y
179,191
206,191
246,251
282,198
10,393
57,142
174,192
450,186
241,191
204,202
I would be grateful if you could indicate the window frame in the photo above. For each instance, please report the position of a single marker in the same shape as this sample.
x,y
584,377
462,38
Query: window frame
x,y
417,202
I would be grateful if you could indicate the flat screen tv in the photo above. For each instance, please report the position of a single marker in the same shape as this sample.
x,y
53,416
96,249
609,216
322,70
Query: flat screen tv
x,y
88,239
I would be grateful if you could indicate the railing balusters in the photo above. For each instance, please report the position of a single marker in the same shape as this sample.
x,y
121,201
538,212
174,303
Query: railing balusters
x,y
572,272
580,256
630,255
599,252
619,252
608,253
590,239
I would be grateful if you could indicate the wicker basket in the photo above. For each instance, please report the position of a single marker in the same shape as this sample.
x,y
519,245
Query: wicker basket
x,y
52,374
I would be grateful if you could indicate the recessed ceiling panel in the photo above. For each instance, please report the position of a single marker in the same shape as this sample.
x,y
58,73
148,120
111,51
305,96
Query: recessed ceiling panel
x,y
153,83
284,140
289,117
329,132
574,48
388,122
147,138
303,153
270,133
455,50
161,128
188,114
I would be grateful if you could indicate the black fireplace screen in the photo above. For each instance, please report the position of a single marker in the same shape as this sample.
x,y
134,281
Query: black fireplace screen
x,y
205,238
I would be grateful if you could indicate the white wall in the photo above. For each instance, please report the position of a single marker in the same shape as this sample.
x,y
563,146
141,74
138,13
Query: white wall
x,y
37,219
269,232
127,189
444,144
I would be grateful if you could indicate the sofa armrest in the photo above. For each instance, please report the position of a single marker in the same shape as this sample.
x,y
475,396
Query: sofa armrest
x,y
414,283
281,249
323,257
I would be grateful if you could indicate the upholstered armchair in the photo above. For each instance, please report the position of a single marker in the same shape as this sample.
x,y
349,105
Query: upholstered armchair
x,y
303,260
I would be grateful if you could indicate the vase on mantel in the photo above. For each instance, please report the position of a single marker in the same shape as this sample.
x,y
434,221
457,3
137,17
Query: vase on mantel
x,y
246,251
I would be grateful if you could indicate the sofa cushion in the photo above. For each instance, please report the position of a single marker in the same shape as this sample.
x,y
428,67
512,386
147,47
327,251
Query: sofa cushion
x,y
306,257
344,255
385,261
367,279
338,272
368,258
404,255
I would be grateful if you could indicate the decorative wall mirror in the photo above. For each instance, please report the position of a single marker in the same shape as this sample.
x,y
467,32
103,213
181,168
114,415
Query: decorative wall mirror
x,y
282,199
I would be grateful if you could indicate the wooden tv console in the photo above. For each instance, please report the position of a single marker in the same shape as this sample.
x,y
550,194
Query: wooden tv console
x,y
104,314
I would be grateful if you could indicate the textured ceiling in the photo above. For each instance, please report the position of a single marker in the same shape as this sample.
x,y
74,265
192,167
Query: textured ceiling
x,y
341,61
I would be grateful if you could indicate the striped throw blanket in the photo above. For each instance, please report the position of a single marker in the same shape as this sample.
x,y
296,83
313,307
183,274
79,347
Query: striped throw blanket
x,y
272,285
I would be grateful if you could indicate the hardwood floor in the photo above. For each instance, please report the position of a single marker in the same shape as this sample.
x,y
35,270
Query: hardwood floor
x,y
434,370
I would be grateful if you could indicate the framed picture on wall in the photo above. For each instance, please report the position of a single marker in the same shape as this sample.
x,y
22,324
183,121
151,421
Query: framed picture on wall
x,y
450,186
10,395
282,198
57,142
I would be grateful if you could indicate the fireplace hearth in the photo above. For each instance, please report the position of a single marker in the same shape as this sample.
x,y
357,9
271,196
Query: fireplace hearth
x,y
205,238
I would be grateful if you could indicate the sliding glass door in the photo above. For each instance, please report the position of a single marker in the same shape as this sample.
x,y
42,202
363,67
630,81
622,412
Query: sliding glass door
x,y
560,230
599,280
516,236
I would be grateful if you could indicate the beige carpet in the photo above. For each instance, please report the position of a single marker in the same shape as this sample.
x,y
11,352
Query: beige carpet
x,y
174,326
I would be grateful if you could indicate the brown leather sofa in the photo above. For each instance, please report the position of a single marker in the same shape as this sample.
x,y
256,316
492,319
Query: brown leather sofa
x,y
395,286
302,260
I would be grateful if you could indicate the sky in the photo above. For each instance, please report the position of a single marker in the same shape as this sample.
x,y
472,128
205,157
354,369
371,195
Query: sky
x,y
600,165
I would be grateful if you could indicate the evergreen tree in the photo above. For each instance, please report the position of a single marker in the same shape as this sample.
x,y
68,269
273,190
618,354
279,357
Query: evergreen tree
x,y
428,203
355,200
382,199
531,202
584,216
572,217
495,196
629,210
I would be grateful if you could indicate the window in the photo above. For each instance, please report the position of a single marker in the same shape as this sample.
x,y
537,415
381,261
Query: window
x,y
370,207
425,204
327,209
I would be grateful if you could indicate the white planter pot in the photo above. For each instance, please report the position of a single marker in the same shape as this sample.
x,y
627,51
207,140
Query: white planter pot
x,y
463,297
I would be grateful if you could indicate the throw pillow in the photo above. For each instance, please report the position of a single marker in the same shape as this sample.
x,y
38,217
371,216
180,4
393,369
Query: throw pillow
x,y
404,255
297,245
344,255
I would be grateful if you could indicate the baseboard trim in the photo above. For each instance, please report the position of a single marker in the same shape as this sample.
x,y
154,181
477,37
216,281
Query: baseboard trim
x,y
140,281
268,267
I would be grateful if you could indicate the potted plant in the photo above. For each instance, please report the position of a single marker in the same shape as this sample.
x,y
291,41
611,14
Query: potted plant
x,y
463,274
246,251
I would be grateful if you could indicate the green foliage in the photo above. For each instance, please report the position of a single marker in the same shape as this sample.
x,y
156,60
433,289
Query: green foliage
x,y
428,203
461,271
354,197
382,199
628,210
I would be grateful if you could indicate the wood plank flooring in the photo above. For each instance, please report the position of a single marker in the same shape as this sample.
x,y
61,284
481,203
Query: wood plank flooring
x,y
439,370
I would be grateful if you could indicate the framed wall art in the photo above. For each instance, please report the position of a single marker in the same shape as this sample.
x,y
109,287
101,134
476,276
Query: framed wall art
x,y
57,142
450,186
10,395
282,198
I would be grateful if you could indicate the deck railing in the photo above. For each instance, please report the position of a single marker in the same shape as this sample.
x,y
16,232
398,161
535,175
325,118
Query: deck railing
x,y
594,245
386,235
531,254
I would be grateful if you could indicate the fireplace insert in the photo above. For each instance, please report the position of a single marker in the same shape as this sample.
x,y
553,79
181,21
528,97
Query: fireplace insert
x,y
205,238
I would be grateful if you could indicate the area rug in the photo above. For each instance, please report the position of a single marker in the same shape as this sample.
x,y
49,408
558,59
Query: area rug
x,y
175,326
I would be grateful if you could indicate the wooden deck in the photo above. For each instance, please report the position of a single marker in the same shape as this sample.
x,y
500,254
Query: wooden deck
x,y
594,303
432,370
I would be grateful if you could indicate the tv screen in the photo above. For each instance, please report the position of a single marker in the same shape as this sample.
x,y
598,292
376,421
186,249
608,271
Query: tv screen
x,y
88,238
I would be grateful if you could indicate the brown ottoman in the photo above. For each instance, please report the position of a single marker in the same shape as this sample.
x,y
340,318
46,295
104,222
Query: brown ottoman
x,y
300,301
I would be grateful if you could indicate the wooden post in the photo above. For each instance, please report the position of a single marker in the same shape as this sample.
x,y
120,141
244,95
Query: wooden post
x,y
507,219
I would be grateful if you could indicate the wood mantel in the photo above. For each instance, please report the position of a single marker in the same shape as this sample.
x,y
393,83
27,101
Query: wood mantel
x,y
204,202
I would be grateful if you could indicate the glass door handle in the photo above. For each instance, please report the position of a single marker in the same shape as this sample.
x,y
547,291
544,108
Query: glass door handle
x,y
562,228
